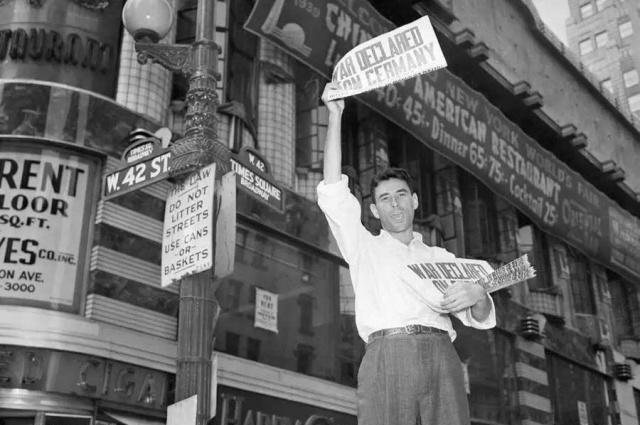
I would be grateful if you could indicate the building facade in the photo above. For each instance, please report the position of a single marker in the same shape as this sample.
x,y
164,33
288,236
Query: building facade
x,y
514,149
606,36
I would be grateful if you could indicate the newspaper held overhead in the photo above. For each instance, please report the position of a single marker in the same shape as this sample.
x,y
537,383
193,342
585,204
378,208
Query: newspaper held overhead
x,y
397,55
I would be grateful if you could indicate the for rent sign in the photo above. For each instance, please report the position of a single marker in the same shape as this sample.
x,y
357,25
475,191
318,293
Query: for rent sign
x,y
188,219
42,204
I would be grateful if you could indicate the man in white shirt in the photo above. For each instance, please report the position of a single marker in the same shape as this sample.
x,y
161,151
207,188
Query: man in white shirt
x,y
410,373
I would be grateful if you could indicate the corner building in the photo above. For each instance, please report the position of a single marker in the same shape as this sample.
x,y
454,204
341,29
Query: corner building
x,y
513,150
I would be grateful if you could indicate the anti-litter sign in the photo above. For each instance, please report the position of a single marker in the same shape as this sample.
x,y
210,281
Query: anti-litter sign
x,y
400,54
187,238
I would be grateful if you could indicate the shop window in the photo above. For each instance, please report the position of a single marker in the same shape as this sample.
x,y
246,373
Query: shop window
x,y
232,343
492,385
600,5
306,314
636,397
581,285
233,296
607,85
259,250
625,29
318,313
447,202
623,296
602,38
62,419
634,104
304,356
586,10
10,419
311,119
576,391
479,217
585,46
533,242
507,230
630,78
306,264
242,65
250,310
253,349
241,243
347,371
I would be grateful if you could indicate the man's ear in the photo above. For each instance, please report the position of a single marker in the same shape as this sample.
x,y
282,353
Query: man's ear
x,y
414,201
374,211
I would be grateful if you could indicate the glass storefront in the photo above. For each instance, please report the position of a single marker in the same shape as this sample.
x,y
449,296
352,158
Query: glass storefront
x,y
578,394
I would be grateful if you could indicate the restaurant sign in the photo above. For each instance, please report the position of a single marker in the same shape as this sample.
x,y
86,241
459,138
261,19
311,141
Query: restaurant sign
x,y
448,116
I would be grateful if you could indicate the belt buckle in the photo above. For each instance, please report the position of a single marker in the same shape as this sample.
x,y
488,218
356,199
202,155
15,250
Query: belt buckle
x,y
412,329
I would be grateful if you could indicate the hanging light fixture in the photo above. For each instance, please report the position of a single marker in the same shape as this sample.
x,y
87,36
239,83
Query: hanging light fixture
x,y
148,19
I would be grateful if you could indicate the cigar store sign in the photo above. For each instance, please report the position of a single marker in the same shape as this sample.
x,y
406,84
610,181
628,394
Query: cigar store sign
x,y
42,203
449,117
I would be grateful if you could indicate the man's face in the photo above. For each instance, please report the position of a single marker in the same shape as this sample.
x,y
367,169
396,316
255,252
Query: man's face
x,y
394,205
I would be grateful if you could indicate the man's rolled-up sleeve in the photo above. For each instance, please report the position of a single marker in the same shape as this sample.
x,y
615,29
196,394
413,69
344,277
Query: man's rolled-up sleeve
x,y
466,317
343,211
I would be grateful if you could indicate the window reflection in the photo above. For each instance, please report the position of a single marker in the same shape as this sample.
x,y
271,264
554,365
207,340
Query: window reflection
x,y
314,332
489,359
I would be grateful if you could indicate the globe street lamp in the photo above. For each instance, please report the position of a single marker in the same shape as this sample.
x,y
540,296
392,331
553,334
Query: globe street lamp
x,y
148,21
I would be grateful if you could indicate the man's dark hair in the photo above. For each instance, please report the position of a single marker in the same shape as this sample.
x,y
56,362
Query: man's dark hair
x,y
388,174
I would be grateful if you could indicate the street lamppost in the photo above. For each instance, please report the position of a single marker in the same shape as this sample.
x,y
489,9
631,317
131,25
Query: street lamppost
x,y
148,21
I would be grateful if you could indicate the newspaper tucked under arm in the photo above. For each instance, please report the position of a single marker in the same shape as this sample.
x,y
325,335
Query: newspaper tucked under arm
x,y
400,54
511,273
443,274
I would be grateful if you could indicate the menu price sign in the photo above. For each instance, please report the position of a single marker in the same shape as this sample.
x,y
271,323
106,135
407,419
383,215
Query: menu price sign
x,y
187,237
625,240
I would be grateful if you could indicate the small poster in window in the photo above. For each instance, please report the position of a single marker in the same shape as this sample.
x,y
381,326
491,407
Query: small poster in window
x,y
582,413
266,313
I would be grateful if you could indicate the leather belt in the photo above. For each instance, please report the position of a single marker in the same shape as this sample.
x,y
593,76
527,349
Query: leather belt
x,y
406,330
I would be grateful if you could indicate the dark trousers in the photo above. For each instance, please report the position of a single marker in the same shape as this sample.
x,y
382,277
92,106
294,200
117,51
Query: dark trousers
x,y
411,379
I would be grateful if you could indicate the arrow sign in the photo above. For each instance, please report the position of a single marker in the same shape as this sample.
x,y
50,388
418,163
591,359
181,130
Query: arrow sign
x,y
137,175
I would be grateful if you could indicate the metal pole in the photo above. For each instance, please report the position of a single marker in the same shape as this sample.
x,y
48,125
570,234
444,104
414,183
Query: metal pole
x,y
199,147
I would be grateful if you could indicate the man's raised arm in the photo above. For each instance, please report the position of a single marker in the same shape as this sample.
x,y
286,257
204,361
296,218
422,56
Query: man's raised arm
x,y
332,148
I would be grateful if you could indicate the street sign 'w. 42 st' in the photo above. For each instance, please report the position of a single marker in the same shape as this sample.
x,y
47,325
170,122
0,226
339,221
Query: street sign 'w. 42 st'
x,y
147,163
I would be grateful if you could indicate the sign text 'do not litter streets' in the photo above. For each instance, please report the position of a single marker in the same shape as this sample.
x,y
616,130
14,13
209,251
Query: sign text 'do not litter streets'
x,y
188,220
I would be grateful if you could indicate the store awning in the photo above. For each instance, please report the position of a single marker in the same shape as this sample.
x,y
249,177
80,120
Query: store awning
x,y
127,419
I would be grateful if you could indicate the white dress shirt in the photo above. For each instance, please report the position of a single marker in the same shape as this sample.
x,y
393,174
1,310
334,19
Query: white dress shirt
x,y
388,294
